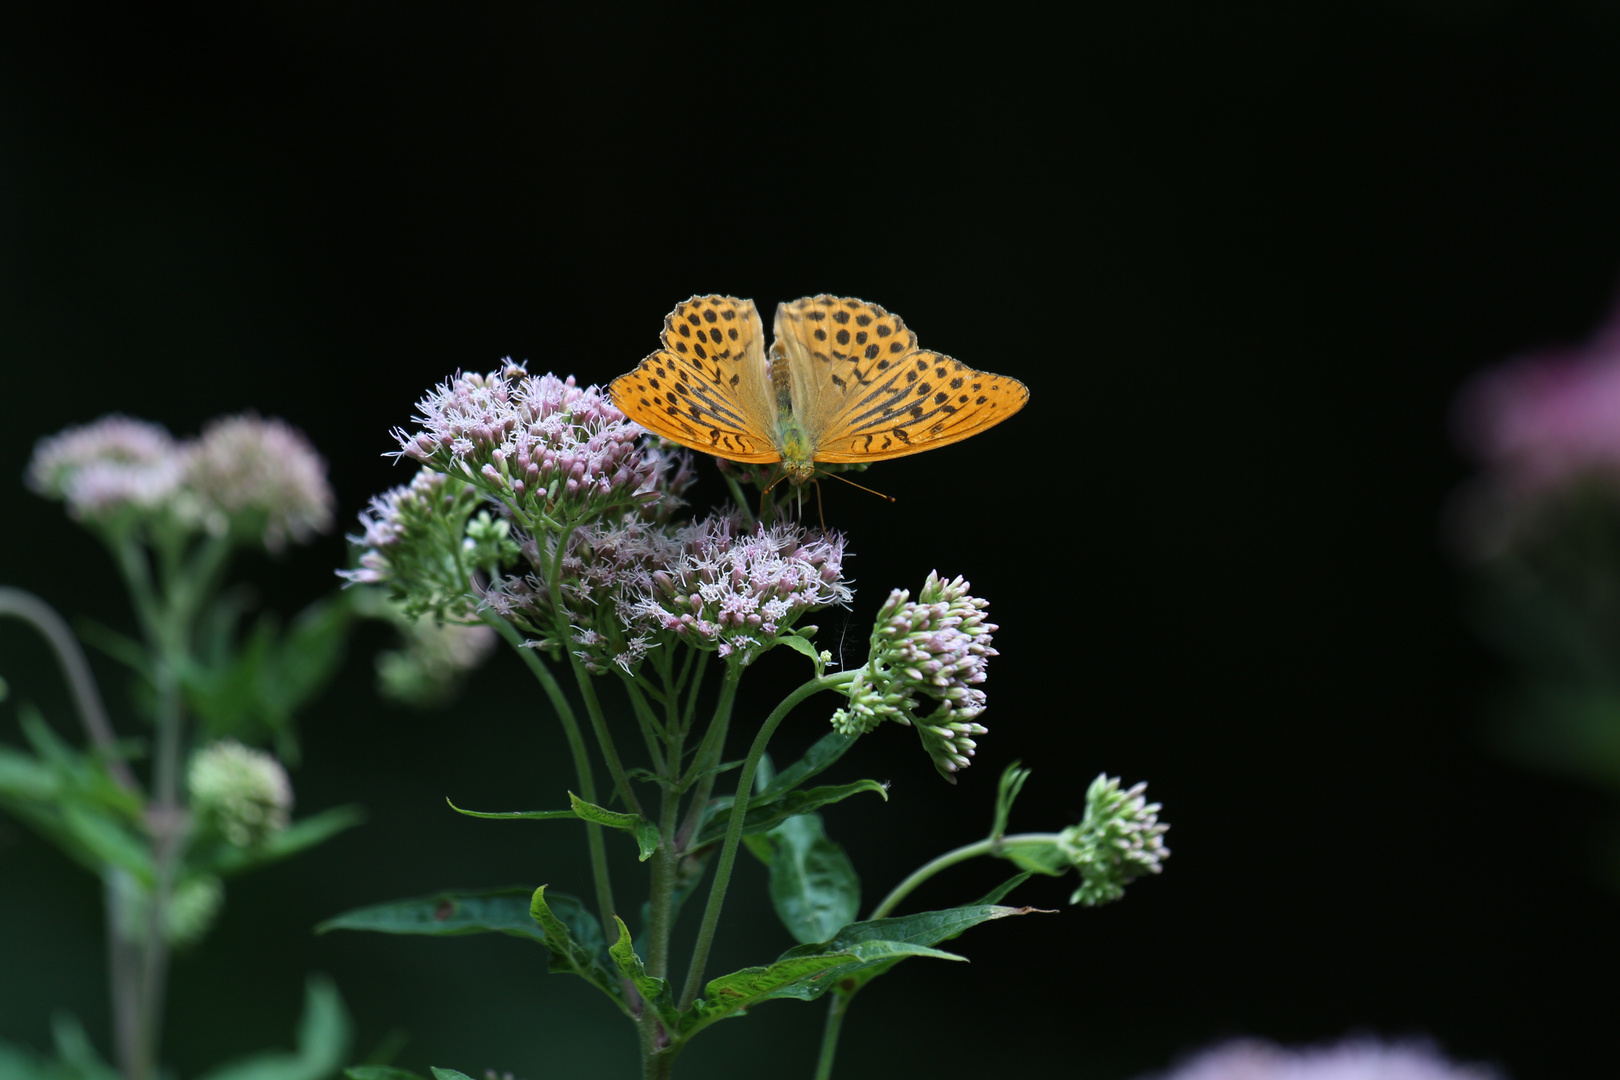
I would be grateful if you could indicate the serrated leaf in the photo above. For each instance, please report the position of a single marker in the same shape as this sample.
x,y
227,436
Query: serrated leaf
x,y
767,812
882,943
645,832
813,884
653,990
448,914
728,994
568,954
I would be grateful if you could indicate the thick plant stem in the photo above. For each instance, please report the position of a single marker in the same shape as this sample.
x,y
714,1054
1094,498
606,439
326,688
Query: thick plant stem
x,y
734,831
582,766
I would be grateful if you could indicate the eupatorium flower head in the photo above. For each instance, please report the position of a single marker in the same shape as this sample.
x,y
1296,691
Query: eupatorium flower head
x,y
932,650
259,478
736,591
424,543
111,466
541,445
1118,839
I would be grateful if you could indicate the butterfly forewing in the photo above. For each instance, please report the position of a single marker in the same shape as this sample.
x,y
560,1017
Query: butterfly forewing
x,y
869,393
707,387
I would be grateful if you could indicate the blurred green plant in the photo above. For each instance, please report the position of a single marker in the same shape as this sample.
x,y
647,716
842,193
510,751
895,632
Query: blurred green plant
x,y
208,683
1539,527
543,514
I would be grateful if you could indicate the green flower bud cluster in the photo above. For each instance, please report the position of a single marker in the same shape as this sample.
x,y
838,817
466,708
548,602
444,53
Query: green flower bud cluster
x,y
1117,841
240,792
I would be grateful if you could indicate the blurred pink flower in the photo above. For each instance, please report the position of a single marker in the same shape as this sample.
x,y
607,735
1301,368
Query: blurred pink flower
x,y
1353,1059
1544,420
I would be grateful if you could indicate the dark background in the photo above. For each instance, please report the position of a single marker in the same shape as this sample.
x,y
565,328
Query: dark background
x,y
1242,257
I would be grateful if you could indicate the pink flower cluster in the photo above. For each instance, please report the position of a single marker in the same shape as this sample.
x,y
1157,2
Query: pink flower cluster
x,y
244,475
1546,420
735,591
537,441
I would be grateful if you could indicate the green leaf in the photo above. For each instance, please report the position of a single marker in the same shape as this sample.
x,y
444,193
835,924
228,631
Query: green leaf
x,y
653,990
24,778
299,836
1038,856
1012,782
323,1043
882,943
828,749
646,832
767,812
570,954
518,815
799,644
107,840
449,914
378,1072
448,1074
814,887
78,1056
728,994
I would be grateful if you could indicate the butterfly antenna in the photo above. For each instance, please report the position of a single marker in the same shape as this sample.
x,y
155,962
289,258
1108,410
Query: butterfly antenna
x,y
853,484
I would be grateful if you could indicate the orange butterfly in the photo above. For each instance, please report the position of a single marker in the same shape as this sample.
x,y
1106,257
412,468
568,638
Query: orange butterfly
x,y
845,382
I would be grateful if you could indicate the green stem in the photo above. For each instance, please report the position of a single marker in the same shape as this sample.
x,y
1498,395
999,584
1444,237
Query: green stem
x,y
604,737
582,765
31,609
951,858
707,759
734,831
836,1008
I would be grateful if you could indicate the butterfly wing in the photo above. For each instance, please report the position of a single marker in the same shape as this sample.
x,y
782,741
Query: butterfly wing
x,y
863,391
707,387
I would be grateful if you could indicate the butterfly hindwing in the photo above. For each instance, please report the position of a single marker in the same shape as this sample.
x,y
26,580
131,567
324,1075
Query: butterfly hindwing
x,y
707,387
864,391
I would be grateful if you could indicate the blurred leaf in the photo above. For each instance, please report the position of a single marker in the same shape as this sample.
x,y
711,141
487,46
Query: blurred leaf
x,y
448,1074
253,691
21,777
448,914
767,812
323,1043
571,953
299,836
78,1056
814,887
653,990
106,839
379,1072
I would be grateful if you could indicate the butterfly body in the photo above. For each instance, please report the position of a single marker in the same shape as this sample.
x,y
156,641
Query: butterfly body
x,y
844,382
